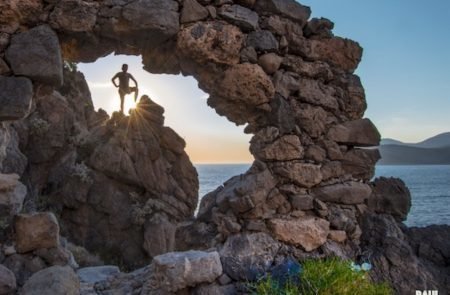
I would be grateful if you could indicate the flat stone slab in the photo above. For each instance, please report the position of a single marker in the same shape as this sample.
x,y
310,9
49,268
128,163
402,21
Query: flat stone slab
x,y
96,274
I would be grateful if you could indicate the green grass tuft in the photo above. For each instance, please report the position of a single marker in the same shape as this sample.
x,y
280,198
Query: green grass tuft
x,y
324,277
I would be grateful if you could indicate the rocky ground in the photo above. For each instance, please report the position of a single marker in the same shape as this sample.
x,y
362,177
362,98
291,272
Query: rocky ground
x,y
102,205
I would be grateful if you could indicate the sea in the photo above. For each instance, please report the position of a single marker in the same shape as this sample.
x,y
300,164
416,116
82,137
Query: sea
x,y
429,186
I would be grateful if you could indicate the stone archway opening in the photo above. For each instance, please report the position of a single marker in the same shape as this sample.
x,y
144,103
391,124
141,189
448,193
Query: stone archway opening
x,y
263,64
218,148
210,139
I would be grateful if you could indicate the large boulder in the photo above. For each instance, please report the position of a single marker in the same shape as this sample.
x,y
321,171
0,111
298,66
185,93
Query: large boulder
x,y
390,196
244,84
248,256
177,270
394,260
266,145
307,232
210,42
148,21
57,280
431,243
339,52
7,281
35,231
159,236
74,16
15,97
356,133
36,54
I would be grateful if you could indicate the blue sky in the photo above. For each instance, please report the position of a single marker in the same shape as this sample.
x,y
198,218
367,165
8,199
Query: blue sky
x,y
406,63
405,71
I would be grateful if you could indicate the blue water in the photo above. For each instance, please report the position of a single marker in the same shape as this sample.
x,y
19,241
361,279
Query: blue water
x,y
430,191
429,186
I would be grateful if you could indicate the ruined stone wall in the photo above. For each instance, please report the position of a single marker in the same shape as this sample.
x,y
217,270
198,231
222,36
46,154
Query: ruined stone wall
x,y
265,64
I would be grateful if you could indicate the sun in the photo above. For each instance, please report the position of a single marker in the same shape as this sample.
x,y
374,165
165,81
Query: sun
x,y
129,104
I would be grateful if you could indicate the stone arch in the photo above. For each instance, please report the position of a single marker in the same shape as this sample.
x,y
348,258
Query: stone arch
x,y
263,64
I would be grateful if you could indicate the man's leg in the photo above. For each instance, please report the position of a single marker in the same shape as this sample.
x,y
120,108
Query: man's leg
x,y
136,93
122,99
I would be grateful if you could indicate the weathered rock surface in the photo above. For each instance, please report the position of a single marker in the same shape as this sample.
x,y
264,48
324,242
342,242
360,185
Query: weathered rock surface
x,y
211,42
286,8
270,62
262,41
303,174
247,256
192,11
23,266
307,232
177,270
390,196
103,191
15,97
36,54
124,187
7,281
12,194
56,280
266,146
74,16
96,274
431,245
240,16
356,133
35,231
394,259
347,193
159,236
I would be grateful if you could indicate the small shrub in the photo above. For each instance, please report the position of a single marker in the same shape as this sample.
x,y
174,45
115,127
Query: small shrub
x,y
71,66
38,126
323,277
82,172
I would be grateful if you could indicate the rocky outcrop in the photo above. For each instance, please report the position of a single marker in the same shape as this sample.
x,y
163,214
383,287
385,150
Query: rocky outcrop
x,y
7,281
36,55
53,280
390,196
174,271
395,256
124,187
36,231
309,233
15,97
12,195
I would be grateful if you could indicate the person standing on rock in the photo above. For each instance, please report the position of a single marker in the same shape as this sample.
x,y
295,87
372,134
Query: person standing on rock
x,y
124,85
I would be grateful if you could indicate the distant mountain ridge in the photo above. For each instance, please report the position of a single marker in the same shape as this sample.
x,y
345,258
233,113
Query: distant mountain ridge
x,y
437,141
432,151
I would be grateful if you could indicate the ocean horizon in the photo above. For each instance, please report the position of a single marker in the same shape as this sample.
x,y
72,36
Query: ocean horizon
x,y
429,186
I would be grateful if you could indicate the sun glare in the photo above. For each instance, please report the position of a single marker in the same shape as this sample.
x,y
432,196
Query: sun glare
x,y
129,103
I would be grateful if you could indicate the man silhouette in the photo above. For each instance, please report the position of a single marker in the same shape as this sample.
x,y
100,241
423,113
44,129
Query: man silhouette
x,y
124,85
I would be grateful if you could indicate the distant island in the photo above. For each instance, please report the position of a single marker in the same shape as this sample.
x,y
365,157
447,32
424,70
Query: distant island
x,y
432,151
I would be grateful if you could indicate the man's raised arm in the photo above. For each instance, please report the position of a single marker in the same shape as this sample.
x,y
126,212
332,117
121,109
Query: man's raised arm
x,y
113,80
134,80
